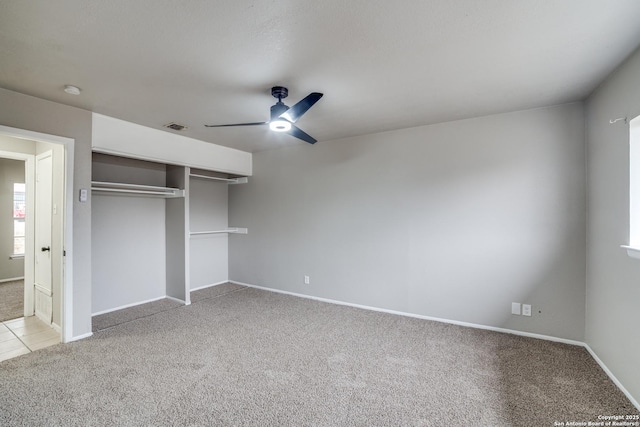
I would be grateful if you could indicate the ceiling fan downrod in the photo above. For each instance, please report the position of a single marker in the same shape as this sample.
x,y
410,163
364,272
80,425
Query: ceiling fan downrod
x,y
279,107
279,92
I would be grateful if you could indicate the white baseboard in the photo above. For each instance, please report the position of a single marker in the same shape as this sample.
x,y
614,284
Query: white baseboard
x,y
79,337
466,324
128,305
419,316
13,279
156,299
56,328
177,300
209,286
613,377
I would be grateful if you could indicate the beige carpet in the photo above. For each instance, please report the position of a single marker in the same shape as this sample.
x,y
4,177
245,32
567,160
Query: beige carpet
x,y
109,320
11,300
251,357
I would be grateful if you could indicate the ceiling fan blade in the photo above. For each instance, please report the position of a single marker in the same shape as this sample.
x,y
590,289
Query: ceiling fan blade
x,y
300,134
294,113
238,124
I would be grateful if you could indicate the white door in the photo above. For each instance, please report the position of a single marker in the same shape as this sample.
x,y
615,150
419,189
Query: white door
x,y
42,247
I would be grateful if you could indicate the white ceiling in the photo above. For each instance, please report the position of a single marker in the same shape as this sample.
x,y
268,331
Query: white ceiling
x,y
382,65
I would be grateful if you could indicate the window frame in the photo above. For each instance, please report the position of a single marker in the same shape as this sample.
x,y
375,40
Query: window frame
x,y
19,216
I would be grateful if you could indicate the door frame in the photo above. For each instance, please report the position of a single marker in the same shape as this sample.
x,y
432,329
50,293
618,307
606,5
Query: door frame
x,y
66,299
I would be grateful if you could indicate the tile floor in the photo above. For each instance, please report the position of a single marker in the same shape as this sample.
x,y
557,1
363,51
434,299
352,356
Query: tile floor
x,y
24,335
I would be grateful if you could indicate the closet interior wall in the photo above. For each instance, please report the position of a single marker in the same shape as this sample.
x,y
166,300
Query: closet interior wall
x,y
208,211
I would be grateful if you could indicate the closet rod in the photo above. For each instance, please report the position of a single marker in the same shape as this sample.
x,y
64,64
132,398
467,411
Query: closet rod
x,y
236,230
241,180
148,192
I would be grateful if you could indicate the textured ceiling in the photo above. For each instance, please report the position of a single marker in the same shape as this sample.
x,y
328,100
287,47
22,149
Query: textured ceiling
x,y
382,65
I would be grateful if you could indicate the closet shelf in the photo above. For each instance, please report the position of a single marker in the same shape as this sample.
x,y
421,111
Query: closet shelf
x,y
233,230
135,189
241,180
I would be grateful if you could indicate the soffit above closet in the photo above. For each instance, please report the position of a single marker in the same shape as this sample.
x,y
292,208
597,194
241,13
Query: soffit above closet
x,y
141,172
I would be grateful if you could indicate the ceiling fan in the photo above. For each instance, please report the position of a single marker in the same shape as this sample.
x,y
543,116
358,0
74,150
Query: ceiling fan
x,y
283,117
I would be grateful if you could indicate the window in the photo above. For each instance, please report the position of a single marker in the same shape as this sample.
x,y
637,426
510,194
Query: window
x,y
633,249
19,211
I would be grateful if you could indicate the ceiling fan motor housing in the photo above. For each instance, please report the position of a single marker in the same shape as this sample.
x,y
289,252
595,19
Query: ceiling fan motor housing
x,y
277,109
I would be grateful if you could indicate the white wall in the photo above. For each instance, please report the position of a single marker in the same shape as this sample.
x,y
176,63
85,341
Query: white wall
x,y
613,279
455,220
38,115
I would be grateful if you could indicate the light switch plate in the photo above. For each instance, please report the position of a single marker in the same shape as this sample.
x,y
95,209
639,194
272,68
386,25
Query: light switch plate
x,y
515,308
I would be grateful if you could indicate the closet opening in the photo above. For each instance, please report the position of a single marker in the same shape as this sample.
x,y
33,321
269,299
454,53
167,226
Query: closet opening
x,y
159,232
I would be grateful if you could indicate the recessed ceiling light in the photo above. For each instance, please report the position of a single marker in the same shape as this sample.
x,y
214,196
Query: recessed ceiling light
x,y
72,90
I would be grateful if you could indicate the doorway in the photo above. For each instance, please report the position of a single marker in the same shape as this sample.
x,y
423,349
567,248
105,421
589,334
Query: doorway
x,y
12,237
47,288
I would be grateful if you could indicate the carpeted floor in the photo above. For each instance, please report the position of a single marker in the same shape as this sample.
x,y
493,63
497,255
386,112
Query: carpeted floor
x,y
251,357
11,300
109,320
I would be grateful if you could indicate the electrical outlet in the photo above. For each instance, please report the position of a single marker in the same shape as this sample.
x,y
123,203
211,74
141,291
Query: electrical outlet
x,y
515,308
306,280
526,309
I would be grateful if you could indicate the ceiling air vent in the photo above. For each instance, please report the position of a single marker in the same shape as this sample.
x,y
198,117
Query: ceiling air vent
x,y
175,126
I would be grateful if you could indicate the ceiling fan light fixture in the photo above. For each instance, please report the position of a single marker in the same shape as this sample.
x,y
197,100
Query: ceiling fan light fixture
x,y
280,125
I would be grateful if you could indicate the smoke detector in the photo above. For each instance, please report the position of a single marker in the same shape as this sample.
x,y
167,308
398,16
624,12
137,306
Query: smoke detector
x,y
72,90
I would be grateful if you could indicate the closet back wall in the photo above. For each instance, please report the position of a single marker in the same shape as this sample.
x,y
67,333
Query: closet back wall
x,y
209,261
128,236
